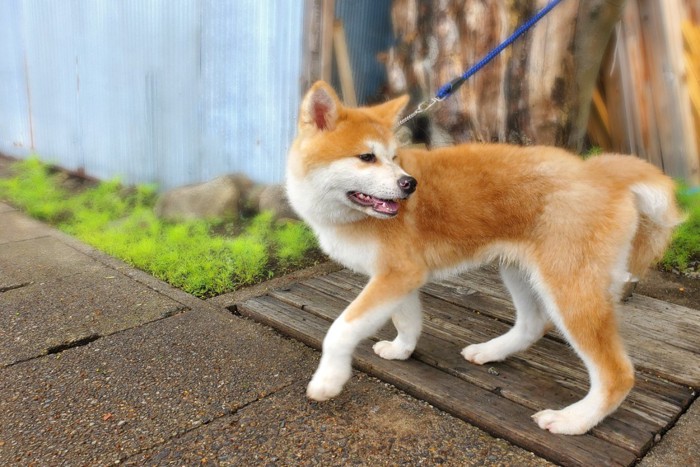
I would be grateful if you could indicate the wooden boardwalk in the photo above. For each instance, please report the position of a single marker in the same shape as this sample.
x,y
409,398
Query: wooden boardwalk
x,y
663,340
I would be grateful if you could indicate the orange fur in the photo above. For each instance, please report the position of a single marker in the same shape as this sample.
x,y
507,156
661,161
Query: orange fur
x,y
573,228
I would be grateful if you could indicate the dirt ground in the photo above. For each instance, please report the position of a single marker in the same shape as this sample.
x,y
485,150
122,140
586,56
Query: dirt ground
x,y
673,288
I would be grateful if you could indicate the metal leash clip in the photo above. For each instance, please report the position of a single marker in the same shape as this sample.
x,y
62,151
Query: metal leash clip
x,y
422,107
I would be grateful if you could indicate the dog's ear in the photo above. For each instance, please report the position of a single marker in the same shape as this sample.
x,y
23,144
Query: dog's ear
x,y
320,108
390,111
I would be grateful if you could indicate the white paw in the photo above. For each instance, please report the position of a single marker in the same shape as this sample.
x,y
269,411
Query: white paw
x,y
483,353
391,350
563,422
326,385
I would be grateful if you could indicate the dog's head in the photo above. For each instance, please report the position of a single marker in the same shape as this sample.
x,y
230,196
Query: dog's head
x,y
342,161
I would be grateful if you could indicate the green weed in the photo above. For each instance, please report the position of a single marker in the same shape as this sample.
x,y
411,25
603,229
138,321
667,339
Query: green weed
x,y
194,256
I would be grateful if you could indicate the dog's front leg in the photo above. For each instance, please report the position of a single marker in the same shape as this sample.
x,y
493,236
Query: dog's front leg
x,y
367,313
408,321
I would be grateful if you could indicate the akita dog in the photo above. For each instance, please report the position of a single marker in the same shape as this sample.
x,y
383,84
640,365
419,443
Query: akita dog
x,y
566,232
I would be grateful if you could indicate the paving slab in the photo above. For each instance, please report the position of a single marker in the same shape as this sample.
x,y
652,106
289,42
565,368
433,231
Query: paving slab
x,y
41,259
371,423
119,395
16,226
681,445
6,208
45,316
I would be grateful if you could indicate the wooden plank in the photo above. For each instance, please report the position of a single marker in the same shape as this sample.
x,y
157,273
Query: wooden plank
x,y
599,122
636,107
514,380
317,60
662,338
327,23
691,37
492,413
469,328
558,362
342,59
671,100
482,290
648,408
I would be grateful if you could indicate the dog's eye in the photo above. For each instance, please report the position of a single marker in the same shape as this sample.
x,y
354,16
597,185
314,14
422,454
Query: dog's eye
x,y
369,157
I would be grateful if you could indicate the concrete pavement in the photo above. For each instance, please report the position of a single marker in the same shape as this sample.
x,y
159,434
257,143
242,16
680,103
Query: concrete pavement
x,y
102,364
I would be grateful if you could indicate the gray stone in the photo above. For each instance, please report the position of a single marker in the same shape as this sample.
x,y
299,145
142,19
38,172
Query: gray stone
x,y
274,198
218,198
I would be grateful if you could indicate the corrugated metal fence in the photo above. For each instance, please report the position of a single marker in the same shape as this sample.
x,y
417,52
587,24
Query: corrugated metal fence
x,y
164,91
153,91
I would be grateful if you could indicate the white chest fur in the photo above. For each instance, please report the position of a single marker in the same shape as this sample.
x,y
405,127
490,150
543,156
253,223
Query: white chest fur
x,y
345,249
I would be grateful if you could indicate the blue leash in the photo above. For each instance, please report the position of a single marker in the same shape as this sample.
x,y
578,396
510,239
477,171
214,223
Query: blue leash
x,y
448,89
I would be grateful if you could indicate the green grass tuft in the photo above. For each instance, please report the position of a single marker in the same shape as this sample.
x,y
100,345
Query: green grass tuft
x,y
35,190
685,246
293,240
200,257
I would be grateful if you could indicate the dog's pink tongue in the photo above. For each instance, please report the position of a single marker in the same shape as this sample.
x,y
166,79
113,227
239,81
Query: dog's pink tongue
x,y
385,206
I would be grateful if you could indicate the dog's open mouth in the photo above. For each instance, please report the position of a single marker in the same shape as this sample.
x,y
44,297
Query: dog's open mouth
x,y
382,206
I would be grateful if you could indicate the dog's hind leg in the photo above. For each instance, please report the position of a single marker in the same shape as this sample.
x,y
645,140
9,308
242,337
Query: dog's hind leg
x,y
587,319
530,323
367,313
408,321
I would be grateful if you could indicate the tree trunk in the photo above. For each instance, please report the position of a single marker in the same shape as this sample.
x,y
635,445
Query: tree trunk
x,y
537,91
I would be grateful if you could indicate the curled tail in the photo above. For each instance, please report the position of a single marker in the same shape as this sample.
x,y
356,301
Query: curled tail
x,y
659,215
655,200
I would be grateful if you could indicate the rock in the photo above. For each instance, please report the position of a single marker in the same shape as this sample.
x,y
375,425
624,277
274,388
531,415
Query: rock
x,y
245,186
218,198
274,198
251,204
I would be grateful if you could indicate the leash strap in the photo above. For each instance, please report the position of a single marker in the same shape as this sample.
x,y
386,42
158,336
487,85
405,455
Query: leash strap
x,y
448,89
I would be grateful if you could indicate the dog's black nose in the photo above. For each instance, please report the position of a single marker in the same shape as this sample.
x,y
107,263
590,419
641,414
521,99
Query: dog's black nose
x,y
408,184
